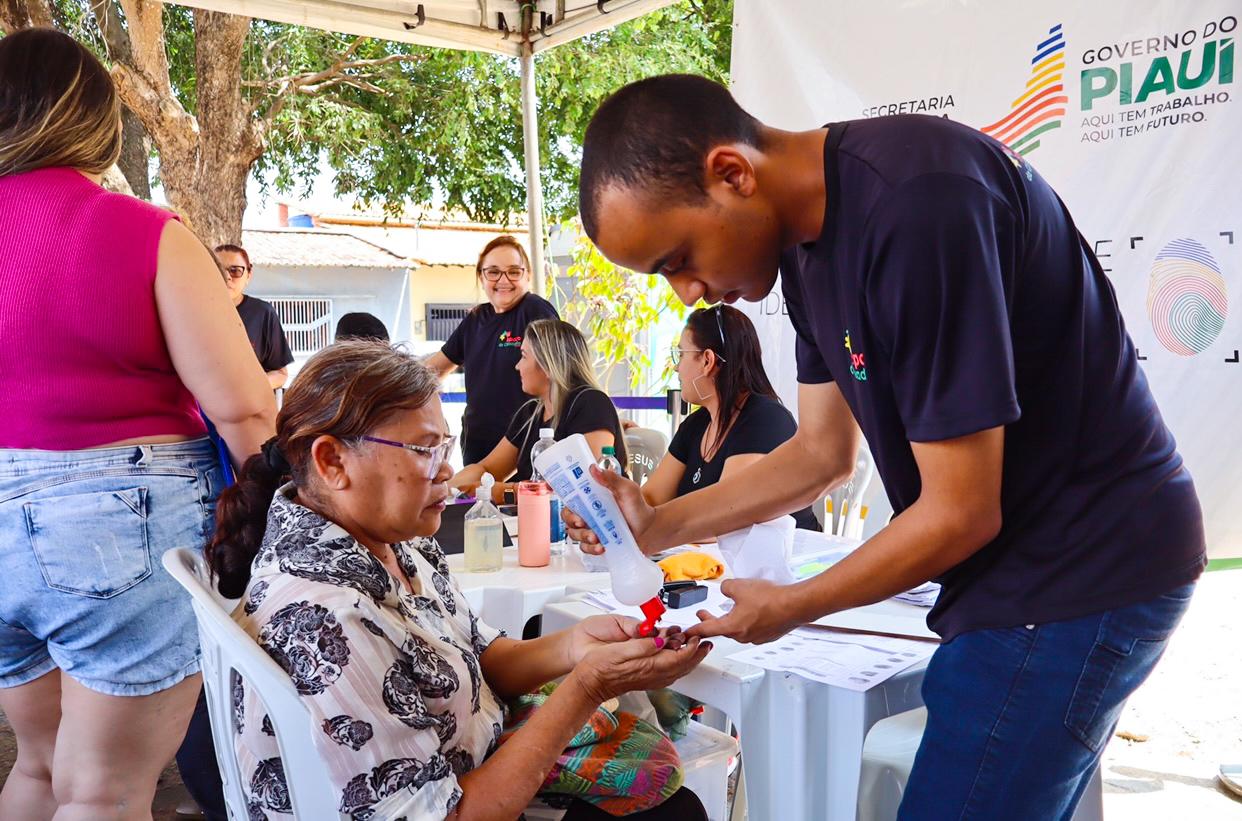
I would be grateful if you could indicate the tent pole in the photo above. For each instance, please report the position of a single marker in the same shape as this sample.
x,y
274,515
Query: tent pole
x,y
534,190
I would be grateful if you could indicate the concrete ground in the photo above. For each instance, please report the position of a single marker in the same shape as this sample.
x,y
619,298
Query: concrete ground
x,y
1190,713
1177,729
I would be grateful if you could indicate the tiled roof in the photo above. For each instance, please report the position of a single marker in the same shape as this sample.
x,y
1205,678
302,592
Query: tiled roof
x,y
317,248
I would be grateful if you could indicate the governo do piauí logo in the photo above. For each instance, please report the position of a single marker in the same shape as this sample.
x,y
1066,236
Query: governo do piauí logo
x,y
1187,301
1040,108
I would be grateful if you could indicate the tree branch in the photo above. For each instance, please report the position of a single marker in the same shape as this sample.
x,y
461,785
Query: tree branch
x,y
108,18
330,77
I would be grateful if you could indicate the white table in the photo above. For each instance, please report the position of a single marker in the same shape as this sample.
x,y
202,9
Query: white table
x,y
801,740
511,596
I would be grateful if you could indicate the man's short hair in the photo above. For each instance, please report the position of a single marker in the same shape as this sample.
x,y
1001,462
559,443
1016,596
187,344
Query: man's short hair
x,y
229,248
653,135
361,325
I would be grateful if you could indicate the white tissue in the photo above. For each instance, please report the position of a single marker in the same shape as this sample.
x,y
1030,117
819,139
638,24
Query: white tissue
x,y
761,551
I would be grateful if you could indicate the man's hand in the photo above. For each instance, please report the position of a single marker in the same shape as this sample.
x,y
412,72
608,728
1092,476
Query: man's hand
x,y
638,514
762,612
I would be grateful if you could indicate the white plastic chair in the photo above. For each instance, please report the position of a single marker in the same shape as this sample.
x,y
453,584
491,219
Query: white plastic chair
x,y
646,447
227,651
888,755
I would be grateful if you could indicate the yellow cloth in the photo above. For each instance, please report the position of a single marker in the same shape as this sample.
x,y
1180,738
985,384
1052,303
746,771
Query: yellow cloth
x,y
682,567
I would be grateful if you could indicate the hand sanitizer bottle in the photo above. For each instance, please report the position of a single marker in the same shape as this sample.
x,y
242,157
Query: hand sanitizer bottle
x,y
484,541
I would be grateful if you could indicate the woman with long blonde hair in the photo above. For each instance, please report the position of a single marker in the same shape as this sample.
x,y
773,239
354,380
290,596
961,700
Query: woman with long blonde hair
x,y
556,370
116,330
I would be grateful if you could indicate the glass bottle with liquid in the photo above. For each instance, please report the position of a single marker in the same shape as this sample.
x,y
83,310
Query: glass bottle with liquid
x,y
484,539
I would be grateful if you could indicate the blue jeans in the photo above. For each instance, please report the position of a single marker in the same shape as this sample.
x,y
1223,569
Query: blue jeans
x,y
81,584
1017,718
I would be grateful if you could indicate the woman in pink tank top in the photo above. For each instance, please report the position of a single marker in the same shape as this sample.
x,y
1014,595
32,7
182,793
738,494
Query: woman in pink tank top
x,y
115,327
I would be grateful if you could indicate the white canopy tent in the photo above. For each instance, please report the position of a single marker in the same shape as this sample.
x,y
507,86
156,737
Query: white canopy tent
x,y
508,27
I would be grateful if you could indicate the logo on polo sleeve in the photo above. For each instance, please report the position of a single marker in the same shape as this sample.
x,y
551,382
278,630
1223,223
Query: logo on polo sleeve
x,y
858,362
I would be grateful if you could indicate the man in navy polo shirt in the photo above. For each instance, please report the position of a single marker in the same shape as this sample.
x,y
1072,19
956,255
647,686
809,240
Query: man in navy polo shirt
x,y
945,304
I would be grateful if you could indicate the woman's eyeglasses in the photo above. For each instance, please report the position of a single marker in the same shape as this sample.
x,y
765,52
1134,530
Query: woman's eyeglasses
x,y
235,271
493,274
677,353
438,454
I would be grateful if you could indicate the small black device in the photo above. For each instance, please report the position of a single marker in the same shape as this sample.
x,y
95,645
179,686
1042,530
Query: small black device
x,y
682,594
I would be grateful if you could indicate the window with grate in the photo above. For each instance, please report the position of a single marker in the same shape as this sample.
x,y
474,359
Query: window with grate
x,y
307,322
443,319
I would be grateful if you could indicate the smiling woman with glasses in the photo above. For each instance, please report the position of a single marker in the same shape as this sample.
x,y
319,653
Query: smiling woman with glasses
x,y
487,342
328,537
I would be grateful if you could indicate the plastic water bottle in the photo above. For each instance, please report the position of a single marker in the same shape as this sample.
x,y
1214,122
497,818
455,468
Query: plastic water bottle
x,y
556,527
636,580
484,540
608,460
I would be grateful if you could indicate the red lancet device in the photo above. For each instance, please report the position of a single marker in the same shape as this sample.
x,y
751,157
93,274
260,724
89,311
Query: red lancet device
x,y
652,609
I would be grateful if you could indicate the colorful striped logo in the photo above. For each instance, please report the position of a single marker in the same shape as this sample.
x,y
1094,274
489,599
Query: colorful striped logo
x,y
1041,107
1187,301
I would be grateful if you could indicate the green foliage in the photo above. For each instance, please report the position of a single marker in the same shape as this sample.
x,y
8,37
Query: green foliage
x,y
613,307
447,127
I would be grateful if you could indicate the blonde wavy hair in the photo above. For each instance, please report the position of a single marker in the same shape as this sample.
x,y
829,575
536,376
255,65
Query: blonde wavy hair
x,y
561,351
58,106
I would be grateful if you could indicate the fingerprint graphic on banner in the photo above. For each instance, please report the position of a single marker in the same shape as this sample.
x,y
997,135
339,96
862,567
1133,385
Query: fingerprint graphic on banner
x,y
1187,301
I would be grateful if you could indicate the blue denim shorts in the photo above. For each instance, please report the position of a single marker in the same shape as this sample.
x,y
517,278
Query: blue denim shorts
x,y
81,584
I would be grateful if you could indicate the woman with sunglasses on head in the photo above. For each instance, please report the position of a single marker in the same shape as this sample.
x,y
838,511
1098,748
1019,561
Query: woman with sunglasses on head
x,y
555,368
486,345
720,365
328,536
263,327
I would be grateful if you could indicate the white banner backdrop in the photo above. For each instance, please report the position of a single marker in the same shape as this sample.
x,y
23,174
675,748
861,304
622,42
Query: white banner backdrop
x,y
1129,110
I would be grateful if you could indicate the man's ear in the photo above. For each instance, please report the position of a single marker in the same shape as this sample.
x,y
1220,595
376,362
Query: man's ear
x,y
729,166
328,456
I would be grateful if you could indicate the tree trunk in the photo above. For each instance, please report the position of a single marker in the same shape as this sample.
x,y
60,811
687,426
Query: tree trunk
x,y
20,14
205,157
135,155
228,144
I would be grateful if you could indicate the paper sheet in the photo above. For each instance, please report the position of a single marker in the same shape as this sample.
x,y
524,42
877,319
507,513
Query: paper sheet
x,y
850,660
924,595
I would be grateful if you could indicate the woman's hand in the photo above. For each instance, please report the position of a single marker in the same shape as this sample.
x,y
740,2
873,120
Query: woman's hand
x,y
610,669
596,631
467,479
638,514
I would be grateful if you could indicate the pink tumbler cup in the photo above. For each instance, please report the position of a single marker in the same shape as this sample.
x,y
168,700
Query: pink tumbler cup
x,y
534,501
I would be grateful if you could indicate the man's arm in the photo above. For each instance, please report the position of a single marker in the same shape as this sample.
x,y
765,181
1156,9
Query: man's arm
x,y
958,512
820,455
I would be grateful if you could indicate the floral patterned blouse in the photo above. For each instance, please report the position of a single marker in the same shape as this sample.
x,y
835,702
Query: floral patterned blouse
x,y
391,676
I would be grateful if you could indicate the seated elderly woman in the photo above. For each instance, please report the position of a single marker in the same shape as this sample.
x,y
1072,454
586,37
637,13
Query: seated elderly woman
x,y
328,535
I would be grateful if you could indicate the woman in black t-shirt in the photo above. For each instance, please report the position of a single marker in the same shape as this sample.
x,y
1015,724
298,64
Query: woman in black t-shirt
x,y
555,368
719,363
485,345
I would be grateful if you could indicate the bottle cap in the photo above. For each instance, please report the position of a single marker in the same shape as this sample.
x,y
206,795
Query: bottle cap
x,y
609,450
547,433
487,481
